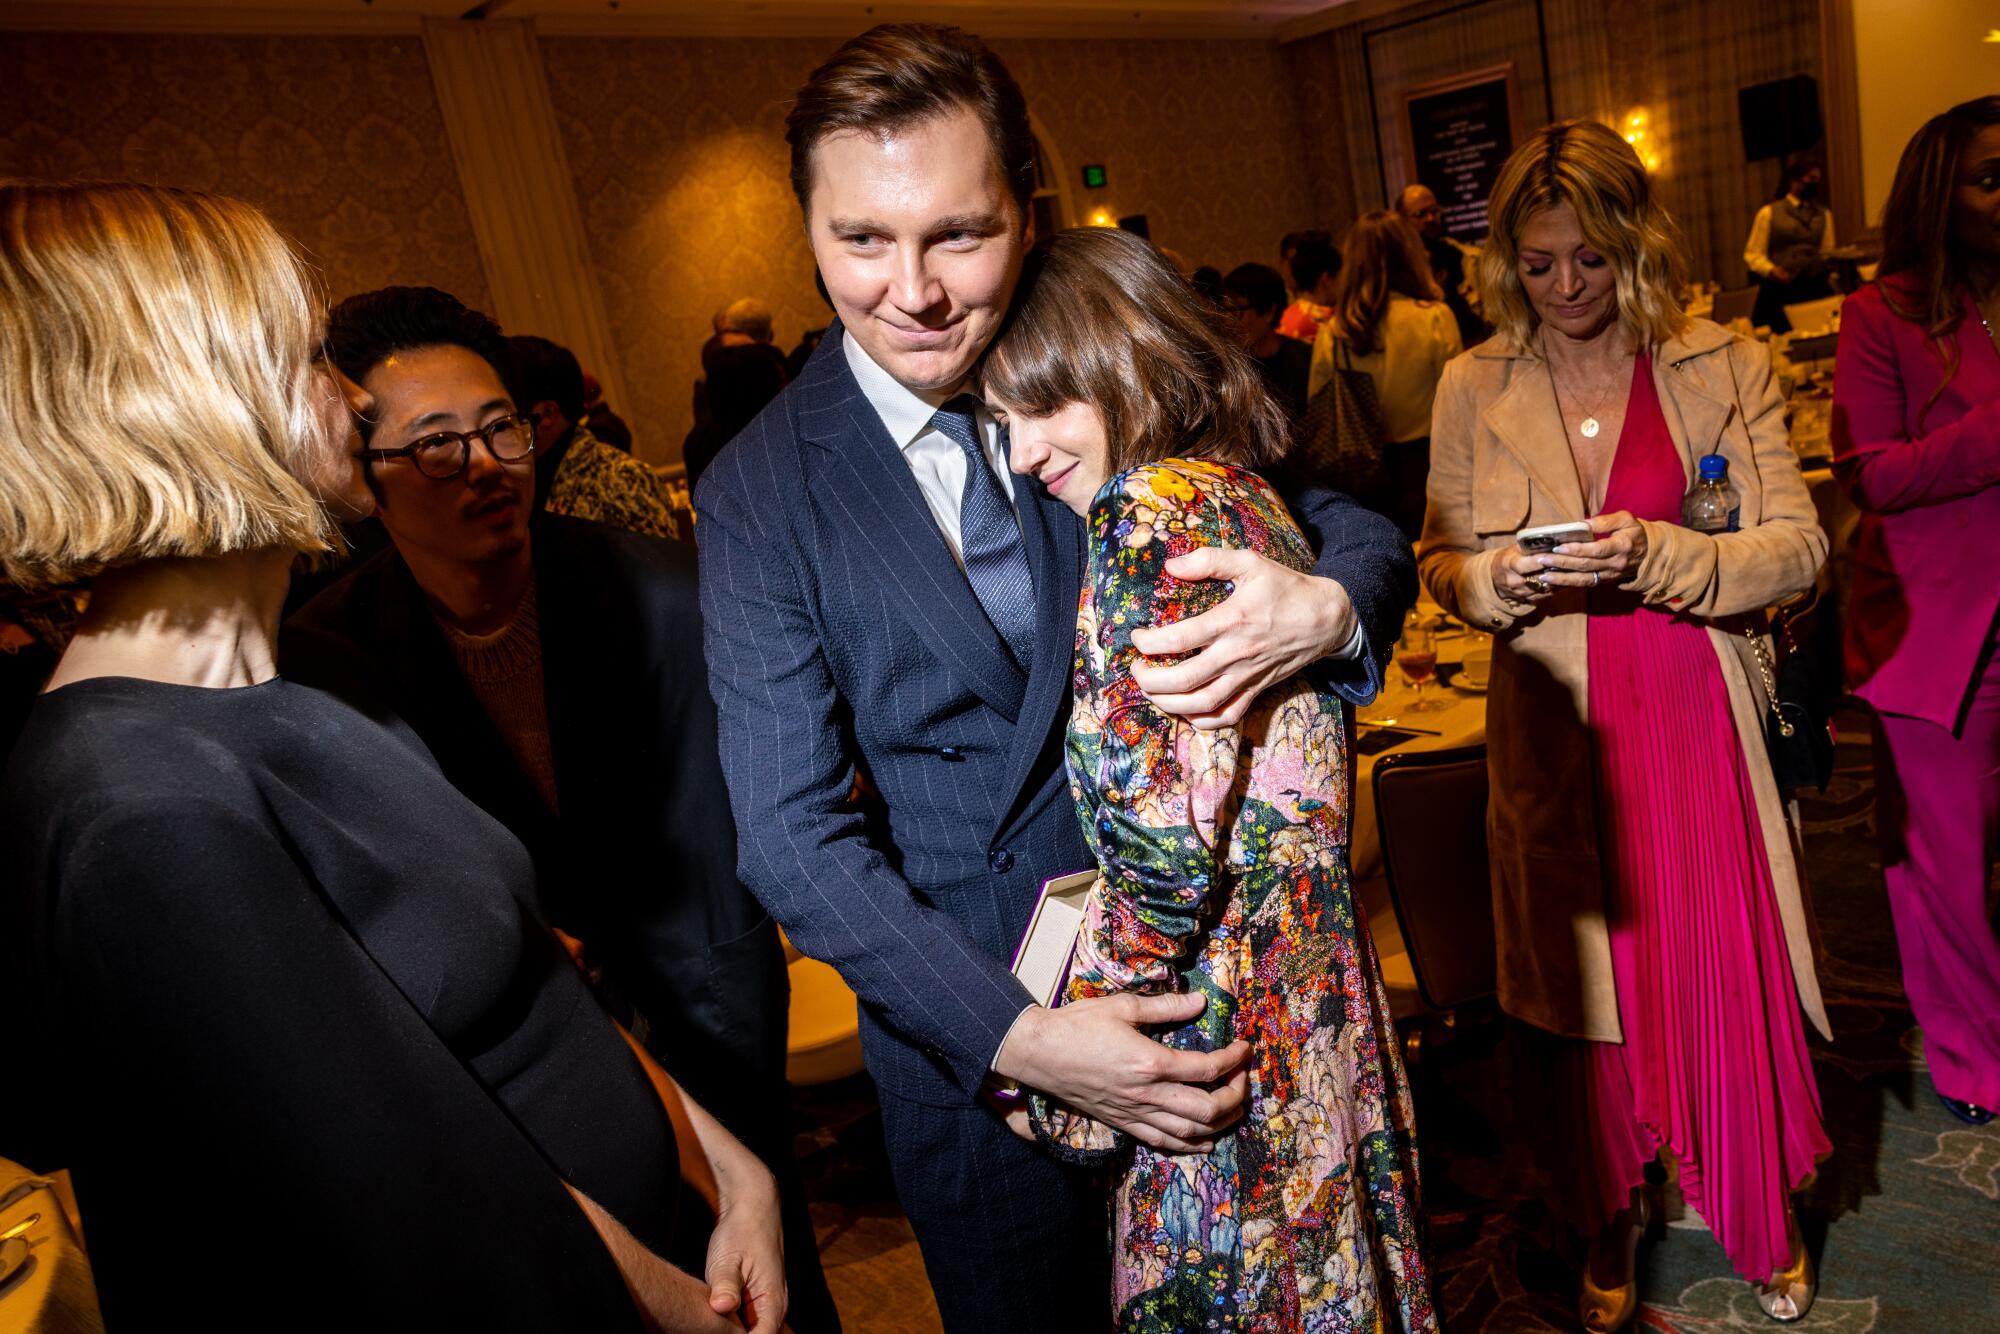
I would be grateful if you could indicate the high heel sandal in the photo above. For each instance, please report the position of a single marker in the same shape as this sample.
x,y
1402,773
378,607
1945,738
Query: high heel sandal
x,y
1607,1310
1790,1293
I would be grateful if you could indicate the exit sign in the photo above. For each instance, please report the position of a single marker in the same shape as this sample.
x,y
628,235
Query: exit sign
x,y
1093,178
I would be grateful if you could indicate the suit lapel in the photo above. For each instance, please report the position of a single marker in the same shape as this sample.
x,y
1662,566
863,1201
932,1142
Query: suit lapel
x,y
1524,418
1694,419
1055,559
1682,371
868,488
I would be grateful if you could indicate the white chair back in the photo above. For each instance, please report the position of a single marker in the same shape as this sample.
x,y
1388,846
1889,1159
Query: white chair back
x,y
1810,317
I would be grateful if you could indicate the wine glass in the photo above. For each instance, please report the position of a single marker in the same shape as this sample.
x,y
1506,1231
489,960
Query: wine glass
x,y
1416,655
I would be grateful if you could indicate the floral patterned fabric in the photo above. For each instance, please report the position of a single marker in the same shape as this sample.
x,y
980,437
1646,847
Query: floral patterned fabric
x,y
604,485
1224,859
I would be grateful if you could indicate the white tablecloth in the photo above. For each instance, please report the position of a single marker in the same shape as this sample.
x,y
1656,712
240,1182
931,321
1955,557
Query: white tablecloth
x,y
1461,721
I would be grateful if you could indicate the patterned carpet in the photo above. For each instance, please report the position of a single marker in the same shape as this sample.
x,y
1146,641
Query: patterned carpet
x,y
871,1260
1904,1219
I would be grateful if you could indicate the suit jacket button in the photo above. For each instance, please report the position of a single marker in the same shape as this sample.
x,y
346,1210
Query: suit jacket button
x,y
1000,860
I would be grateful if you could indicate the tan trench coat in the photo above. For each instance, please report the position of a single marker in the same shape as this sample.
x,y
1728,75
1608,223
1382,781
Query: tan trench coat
x,y
1500,462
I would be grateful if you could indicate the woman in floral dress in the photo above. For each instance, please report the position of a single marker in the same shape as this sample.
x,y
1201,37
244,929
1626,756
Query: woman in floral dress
x,y
1223,852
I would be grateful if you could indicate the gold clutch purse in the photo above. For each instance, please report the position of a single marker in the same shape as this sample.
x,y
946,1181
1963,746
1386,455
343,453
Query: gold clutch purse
x,y
45,1282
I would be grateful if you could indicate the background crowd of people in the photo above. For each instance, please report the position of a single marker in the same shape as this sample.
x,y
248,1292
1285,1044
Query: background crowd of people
x,y
429,898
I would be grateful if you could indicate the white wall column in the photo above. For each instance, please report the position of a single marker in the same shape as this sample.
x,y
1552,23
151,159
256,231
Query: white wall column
x,y
518,188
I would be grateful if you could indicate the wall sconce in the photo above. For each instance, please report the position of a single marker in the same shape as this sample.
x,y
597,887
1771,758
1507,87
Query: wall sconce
x,y
1103,217
1638,132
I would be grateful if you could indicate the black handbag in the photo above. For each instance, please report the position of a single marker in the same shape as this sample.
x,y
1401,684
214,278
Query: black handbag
x,y
1340,437
1801,671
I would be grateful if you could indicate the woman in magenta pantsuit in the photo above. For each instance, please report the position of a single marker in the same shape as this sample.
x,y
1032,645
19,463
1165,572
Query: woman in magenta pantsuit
x,y
1916,430
1646,897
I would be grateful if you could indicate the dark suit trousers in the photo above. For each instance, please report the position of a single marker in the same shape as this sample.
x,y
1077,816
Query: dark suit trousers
x,y
1013,1241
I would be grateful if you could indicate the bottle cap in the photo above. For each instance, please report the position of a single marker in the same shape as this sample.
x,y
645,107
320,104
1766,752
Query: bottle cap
x,y
1714,468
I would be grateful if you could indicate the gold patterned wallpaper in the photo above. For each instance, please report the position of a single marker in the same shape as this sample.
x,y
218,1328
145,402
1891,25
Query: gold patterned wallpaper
x,y
339,139
677,147
1201,137
1682,60
678,151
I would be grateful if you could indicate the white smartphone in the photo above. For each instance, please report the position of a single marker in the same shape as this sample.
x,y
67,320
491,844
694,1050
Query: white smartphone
x,y
1548,537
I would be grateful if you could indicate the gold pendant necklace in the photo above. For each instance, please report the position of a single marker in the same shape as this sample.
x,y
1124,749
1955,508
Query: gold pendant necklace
x,y
1590,426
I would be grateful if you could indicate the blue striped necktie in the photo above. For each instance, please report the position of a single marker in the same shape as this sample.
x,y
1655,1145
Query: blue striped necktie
x,y
996,562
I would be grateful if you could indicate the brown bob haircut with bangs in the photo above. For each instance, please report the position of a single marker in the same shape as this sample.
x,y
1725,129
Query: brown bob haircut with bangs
x,y
1101,318
900,74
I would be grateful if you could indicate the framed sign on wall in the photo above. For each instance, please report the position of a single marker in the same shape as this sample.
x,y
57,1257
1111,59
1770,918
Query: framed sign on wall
x,y
1456,133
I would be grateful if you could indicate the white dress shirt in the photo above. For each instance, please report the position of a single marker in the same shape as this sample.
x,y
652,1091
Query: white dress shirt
x,y
939,466
1757,250
938,462
934,457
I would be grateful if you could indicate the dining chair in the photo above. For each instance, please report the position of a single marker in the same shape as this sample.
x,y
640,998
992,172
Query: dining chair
x,y
1430,810
1814,316
823,1041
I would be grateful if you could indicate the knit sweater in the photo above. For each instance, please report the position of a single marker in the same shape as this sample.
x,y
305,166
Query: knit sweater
x,y
504,670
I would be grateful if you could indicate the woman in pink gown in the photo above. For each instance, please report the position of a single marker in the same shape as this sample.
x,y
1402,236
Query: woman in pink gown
x,y
1697,950
1646,900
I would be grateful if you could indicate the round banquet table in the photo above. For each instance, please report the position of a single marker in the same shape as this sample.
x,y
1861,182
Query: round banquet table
x,y
1455,713
1456,717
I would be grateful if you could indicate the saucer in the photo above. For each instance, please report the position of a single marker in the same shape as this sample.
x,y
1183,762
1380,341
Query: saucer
x,y
1453,675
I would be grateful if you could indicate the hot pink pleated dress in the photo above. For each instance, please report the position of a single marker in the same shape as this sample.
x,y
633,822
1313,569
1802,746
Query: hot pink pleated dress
x,y
1714,1065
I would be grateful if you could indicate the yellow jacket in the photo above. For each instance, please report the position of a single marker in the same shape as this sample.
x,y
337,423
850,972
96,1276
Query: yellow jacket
x,y
1413,344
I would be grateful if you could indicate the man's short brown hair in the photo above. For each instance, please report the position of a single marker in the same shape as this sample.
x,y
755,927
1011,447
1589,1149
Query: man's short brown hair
x,y
898,74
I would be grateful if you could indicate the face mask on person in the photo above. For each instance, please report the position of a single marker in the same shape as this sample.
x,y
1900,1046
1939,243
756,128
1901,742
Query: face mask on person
x,y
1807,191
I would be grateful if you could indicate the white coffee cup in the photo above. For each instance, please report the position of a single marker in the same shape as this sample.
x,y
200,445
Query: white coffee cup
x,y
1477,663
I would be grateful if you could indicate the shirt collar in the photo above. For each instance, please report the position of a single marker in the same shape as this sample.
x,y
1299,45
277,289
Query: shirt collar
x,y
905,413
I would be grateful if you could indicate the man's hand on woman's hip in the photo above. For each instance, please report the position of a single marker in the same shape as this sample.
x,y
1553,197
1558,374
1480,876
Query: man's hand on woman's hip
x,y
1092,1055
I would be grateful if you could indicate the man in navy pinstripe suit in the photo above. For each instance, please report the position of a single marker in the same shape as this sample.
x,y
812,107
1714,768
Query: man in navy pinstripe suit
x,y
880,593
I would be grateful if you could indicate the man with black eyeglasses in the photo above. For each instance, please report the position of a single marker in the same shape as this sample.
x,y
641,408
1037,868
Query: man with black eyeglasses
x,y
553,666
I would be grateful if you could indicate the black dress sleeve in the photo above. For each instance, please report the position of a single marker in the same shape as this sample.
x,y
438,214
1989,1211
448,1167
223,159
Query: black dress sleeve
x,y
263,1132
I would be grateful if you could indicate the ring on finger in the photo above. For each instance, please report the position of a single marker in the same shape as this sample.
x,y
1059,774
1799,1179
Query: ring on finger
x,y
1542,580
1596,578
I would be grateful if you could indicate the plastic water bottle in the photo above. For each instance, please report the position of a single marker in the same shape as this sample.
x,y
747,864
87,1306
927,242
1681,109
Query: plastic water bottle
x,y
1710,505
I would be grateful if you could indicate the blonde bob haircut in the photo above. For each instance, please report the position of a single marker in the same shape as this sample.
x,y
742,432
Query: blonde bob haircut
x,y
1103,319
1587,166
158,393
